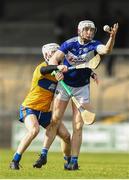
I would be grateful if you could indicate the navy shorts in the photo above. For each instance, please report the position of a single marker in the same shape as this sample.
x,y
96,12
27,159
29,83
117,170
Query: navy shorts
x,y
44,118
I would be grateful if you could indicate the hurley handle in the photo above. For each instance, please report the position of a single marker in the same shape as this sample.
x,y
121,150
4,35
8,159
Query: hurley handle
x,y
66,87
63,84
71,68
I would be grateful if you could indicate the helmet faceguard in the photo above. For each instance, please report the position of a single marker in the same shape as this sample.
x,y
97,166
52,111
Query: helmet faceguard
x,y
48,49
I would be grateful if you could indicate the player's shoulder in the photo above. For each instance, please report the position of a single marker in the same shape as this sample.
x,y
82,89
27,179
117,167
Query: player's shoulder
x,y
38,67
72,40
43,63
37,74
70,43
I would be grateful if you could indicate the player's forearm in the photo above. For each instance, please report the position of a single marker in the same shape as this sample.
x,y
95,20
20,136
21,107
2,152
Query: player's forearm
x,y
109,45
106,49
56,58
101,49
48,69
53,61
111,41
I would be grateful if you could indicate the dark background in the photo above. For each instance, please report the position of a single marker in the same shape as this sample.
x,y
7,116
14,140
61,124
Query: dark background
x,y
34,22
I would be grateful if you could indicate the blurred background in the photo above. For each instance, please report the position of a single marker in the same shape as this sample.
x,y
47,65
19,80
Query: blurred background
x,y
27,25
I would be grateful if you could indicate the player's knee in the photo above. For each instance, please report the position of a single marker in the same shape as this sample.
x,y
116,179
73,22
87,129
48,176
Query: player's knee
x,y
78,126
54,122
78,131
34,131
56,116
66,138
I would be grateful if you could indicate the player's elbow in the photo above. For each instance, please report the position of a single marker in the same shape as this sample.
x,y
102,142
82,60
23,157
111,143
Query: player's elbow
x,y
106,51
103,49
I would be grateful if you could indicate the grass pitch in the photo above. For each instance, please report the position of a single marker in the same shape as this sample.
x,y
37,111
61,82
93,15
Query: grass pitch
x,y
92,166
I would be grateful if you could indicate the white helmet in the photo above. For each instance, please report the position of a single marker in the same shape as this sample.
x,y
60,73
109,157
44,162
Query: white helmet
x,y
86,23
48,48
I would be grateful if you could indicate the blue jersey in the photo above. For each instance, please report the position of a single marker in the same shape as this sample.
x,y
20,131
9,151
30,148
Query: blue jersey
x,y
76,53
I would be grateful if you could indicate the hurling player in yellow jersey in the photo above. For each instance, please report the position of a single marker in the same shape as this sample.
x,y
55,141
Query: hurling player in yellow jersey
x,y
35,109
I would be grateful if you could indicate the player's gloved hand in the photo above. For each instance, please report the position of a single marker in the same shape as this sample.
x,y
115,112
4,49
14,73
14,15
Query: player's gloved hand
x,y
62,68
95,77
59,76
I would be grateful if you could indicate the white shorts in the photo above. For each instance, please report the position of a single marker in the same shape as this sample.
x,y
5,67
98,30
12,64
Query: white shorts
x,y
82,94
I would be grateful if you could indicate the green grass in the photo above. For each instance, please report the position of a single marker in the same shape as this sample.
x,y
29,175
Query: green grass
x,y
92,166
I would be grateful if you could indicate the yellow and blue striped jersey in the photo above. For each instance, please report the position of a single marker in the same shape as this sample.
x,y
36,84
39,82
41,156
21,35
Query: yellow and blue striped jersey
x,y
42,90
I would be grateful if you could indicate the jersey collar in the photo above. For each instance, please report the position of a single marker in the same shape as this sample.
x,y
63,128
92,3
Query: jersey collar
x,y
82,43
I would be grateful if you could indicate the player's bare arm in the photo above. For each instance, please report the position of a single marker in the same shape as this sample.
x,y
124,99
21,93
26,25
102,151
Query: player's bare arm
x,y
57,57
105,49
48,69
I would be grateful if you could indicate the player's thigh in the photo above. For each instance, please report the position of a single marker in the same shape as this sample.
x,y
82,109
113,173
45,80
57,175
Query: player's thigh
x,y
31,122
61,99
82,94
63,132
59,107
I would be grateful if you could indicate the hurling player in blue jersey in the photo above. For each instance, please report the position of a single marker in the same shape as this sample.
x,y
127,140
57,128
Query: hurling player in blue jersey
x,y
75,51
